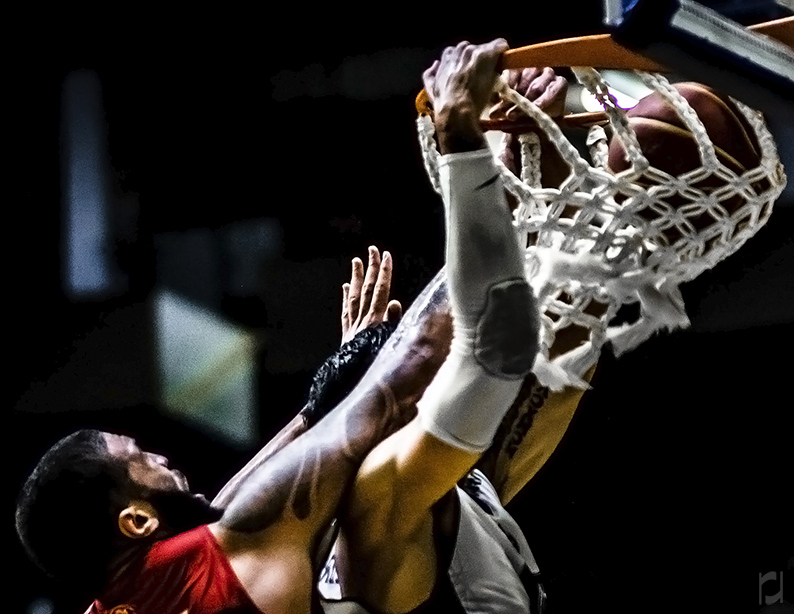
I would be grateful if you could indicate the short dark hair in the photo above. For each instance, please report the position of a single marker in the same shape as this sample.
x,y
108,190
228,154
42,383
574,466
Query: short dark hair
x,y
340,373
78,471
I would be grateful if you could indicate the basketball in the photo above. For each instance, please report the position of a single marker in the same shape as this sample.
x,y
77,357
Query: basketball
x,y
669,145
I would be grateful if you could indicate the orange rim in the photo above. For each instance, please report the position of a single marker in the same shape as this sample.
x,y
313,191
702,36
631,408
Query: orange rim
x,y
582,50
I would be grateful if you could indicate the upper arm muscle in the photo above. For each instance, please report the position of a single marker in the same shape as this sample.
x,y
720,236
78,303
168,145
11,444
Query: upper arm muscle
x,y
387,527
402,478
522,452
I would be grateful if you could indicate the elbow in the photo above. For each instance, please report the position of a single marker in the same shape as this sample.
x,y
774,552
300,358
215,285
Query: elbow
x,y
508,332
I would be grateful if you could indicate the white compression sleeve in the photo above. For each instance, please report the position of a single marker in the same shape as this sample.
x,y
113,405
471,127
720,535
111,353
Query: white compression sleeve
x,y
495,316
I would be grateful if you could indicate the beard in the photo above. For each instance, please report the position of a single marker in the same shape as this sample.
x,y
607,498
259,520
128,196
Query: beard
x,y
181,511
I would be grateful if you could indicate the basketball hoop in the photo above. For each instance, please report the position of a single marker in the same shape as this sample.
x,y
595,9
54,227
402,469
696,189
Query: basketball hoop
x,y
604,239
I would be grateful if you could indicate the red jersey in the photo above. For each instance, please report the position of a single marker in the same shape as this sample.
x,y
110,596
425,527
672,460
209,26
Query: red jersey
x,y
185,574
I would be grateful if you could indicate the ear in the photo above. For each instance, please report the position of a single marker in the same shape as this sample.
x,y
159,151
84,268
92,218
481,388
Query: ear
x,y
138,520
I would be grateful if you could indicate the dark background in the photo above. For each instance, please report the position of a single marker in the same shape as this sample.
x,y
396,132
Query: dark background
x,y
672,488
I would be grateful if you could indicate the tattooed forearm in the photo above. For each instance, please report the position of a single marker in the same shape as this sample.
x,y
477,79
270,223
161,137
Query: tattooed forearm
x,y
306,479
289,433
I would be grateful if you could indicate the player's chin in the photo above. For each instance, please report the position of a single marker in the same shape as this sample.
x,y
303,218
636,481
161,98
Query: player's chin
x,y
201,497
180,481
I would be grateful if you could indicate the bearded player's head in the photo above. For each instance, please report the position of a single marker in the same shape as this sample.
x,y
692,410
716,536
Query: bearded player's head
x,y
94,495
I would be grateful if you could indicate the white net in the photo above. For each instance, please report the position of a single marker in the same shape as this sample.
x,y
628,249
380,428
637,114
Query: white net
x,y
604,239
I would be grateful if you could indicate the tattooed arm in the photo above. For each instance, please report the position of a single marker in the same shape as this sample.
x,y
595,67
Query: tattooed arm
x,y
272,524
365,306
529,434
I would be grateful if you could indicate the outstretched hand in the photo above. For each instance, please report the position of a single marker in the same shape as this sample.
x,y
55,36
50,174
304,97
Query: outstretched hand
x,y
365,300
